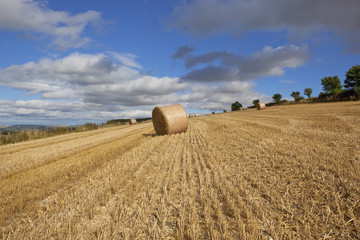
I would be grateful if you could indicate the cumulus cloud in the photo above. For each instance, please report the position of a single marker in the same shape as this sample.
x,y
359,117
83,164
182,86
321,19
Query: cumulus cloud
x,y
300,17
61,112
98,78
220,66
64,28
219,96
98,87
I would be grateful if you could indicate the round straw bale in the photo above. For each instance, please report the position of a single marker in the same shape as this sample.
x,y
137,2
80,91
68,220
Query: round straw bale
x,y
169,119
260,106
213,112
225,111
132,121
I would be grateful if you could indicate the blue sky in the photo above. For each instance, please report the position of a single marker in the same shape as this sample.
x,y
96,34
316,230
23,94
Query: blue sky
x,y
71,62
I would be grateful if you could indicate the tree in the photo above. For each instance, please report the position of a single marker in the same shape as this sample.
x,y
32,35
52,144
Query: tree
x,y
236,106
352,77
255,102
357,90
295,95
331,84
277,97
307,92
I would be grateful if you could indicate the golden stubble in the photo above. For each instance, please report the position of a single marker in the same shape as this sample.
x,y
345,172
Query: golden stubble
x,y
288,172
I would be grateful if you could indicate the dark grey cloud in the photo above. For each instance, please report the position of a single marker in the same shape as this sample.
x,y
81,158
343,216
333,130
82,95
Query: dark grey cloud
x,y
207,58
182,52
273,61
221,66
301,18
211,74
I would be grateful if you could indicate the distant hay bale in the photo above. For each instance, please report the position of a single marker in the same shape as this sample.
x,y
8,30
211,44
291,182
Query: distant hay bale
x,y
213,112
260,106
191,115
132,121
225,111
241,109
169,119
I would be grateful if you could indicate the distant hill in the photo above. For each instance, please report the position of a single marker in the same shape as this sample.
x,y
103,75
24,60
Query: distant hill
x,y
23,127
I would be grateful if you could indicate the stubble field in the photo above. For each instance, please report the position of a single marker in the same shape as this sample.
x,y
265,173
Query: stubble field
x,y
288,172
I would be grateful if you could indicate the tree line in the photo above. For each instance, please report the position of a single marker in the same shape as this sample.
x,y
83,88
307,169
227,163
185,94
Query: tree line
x,y
332,91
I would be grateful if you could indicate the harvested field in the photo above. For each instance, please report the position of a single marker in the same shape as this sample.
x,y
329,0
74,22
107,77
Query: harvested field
x,y
290,172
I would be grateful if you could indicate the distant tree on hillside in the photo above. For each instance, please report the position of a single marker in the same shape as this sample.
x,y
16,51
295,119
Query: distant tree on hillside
x,y
236,106
352,77
357,90
296,96
352,80
255,102
331,85
277,98
307,92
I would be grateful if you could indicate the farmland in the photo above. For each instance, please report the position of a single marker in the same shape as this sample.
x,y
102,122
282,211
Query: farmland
x,y
287,172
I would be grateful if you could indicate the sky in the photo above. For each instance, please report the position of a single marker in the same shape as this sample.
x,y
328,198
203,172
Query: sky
x,y
70,62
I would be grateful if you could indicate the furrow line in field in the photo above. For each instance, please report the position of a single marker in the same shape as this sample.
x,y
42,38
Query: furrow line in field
x,y
17,162
162,224
221,222
289,130
80,205
24,189
189,217
281,136
201,198
151,221
236,207
312,176
235,212
208,199
275,172
18,147
216,223
144,205
237,179
181,204
127,196
183,197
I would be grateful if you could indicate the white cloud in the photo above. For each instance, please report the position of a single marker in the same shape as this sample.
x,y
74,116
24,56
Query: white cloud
x,y
127,59
301,18
33,16
219,96
57,112
98,87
